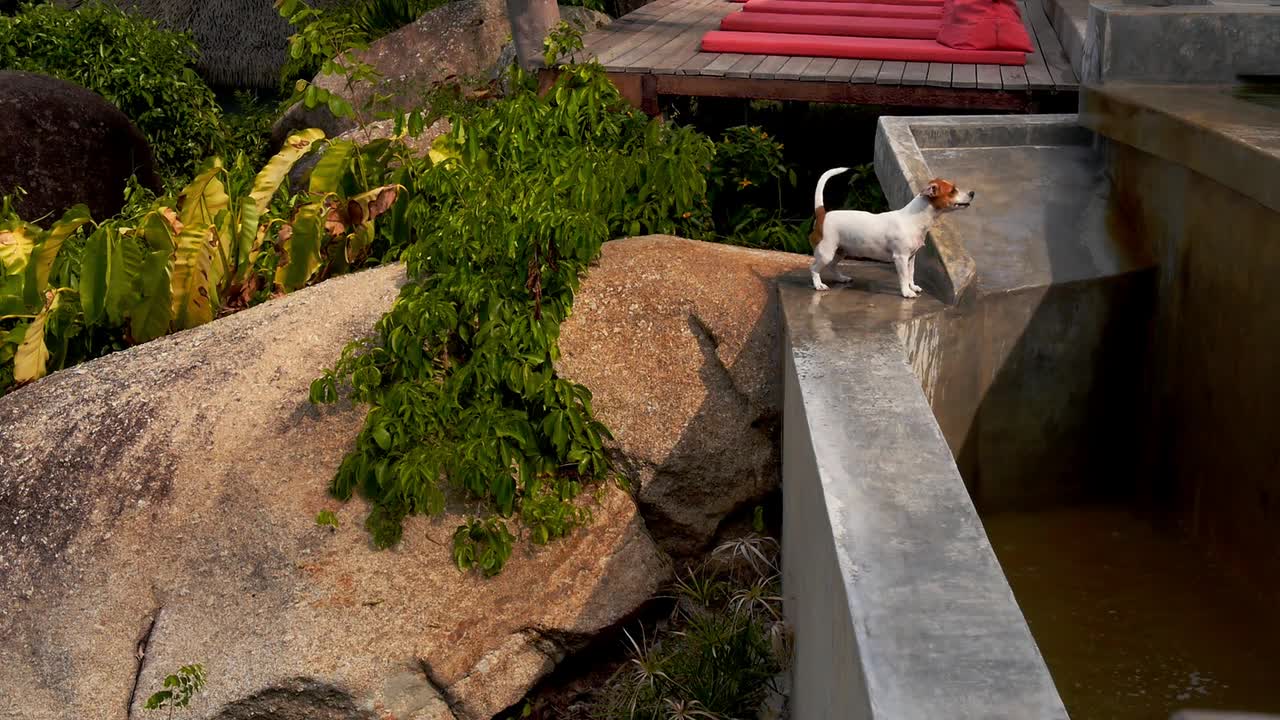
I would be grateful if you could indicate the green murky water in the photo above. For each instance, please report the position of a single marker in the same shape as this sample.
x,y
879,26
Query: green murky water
x,y
1266,94
1136,624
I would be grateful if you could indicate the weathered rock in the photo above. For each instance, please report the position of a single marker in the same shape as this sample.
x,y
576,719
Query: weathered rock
x,y
162,501
65,145
679,341
458,40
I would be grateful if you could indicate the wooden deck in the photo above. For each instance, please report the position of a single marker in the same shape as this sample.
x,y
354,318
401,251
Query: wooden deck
x,y
655,51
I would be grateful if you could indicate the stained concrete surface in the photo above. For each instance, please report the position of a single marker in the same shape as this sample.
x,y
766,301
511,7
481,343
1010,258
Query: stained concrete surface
x,y
899,607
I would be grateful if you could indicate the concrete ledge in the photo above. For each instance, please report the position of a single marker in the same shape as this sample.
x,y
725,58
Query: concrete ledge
x,y
1205,129
1137,43
899,606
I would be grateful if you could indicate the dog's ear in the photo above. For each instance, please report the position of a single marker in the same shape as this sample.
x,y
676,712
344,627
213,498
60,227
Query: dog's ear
x,y
932,190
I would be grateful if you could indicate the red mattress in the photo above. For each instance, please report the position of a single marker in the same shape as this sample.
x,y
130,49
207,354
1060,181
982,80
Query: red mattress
x,y
860,48
831,25
849,9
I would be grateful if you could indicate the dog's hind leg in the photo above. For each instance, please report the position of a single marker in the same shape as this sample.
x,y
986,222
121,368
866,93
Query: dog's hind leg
x,y
823,255
902,263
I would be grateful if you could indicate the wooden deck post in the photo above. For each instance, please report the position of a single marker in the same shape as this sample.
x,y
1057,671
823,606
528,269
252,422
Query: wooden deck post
x,y
531,20
641,90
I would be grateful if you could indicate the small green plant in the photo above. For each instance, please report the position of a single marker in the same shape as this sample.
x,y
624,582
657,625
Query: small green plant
x,y
483,544
180,688
716,660
326,518
146,71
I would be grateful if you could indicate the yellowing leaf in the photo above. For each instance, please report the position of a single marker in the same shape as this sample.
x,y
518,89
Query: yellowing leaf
x,y
15,248
268,181
31,362
192,301
204,197
327,174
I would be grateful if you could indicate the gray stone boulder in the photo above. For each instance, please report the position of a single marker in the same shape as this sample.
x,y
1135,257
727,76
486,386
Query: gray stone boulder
x,y
158,508
679,341
64,144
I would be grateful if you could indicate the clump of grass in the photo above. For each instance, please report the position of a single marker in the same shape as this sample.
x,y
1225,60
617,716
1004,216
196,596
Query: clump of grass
x,y
721,650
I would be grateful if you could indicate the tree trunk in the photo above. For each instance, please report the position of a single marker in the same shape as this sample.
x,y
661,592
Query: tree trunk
x,y
531,20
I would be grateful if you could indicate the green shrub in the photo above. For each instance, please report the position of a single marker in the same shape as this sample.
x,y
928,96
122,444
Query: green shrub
x,y
461,376
142,69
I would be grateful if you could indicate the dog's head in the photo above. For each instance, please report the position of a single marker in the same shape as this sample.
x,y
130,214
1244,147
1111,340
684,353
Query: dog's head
x,y
944,196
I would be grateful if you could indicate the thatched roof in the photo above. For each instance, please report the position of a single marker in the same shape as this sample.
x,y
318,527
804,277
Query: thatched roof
x,y
242,42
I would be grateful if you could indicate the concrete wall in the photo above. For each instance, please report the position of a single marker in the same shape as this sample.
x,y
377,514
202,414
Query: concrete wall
x,y
899,607
1037,392
1210,456
1179,43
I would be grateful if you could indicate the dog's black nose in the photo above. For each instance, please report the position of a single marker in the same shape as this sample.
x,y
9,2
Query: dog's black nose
x,y
972,194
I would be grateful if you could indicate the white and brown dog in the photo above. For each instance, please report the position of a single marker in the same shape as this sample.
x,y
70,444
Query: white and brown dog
x,y
895,236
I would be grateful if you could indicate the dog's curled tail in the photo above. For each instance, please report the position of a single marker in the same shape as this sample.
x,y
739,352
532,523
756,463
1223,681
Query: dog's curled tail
x,y
822,183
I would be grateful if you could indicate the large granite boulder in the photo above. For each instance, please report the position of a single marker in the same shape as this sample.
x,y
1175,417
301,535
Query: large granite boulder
x,y
64,144
680,343
157,508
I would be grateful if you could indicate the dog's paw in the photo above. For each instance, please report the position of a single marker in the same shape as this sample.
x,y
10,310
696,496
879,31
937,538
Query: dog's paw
x,y
820,286
909,294
916,287
842,278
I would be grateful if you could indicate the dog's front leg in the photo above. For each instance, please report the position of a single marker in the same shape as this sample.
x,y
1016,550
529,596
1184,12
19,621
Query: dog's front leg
x,y
902,263
911,272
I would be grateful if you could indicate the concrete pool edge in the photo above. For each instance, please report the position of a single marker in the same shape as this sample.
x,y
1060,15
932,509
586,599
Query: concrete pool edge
x,y
900,609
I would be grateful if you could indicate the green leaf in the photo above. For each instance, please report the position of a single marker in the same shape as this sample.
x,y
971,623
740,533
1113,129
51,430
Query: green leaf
x,y
300,247
326,518
326,176
149,318
94,266
46,250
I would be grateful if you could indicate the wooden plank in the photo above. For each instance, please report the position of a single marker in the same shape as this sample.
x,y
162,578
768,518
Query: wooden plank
x,y
1055,57
721,64
818,69
867,72
964,76
696,64
615,33
768,69
745,66
842,70
843,92
654,36
1038,77
890,73
1014,78
939,75
989,77
687,42
793,67
915,73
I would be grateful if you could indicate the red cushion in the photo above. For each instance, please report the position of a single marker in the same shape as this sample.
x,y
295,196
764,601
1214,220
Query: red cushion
x,y
860,48
983,25
857,9
831,25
